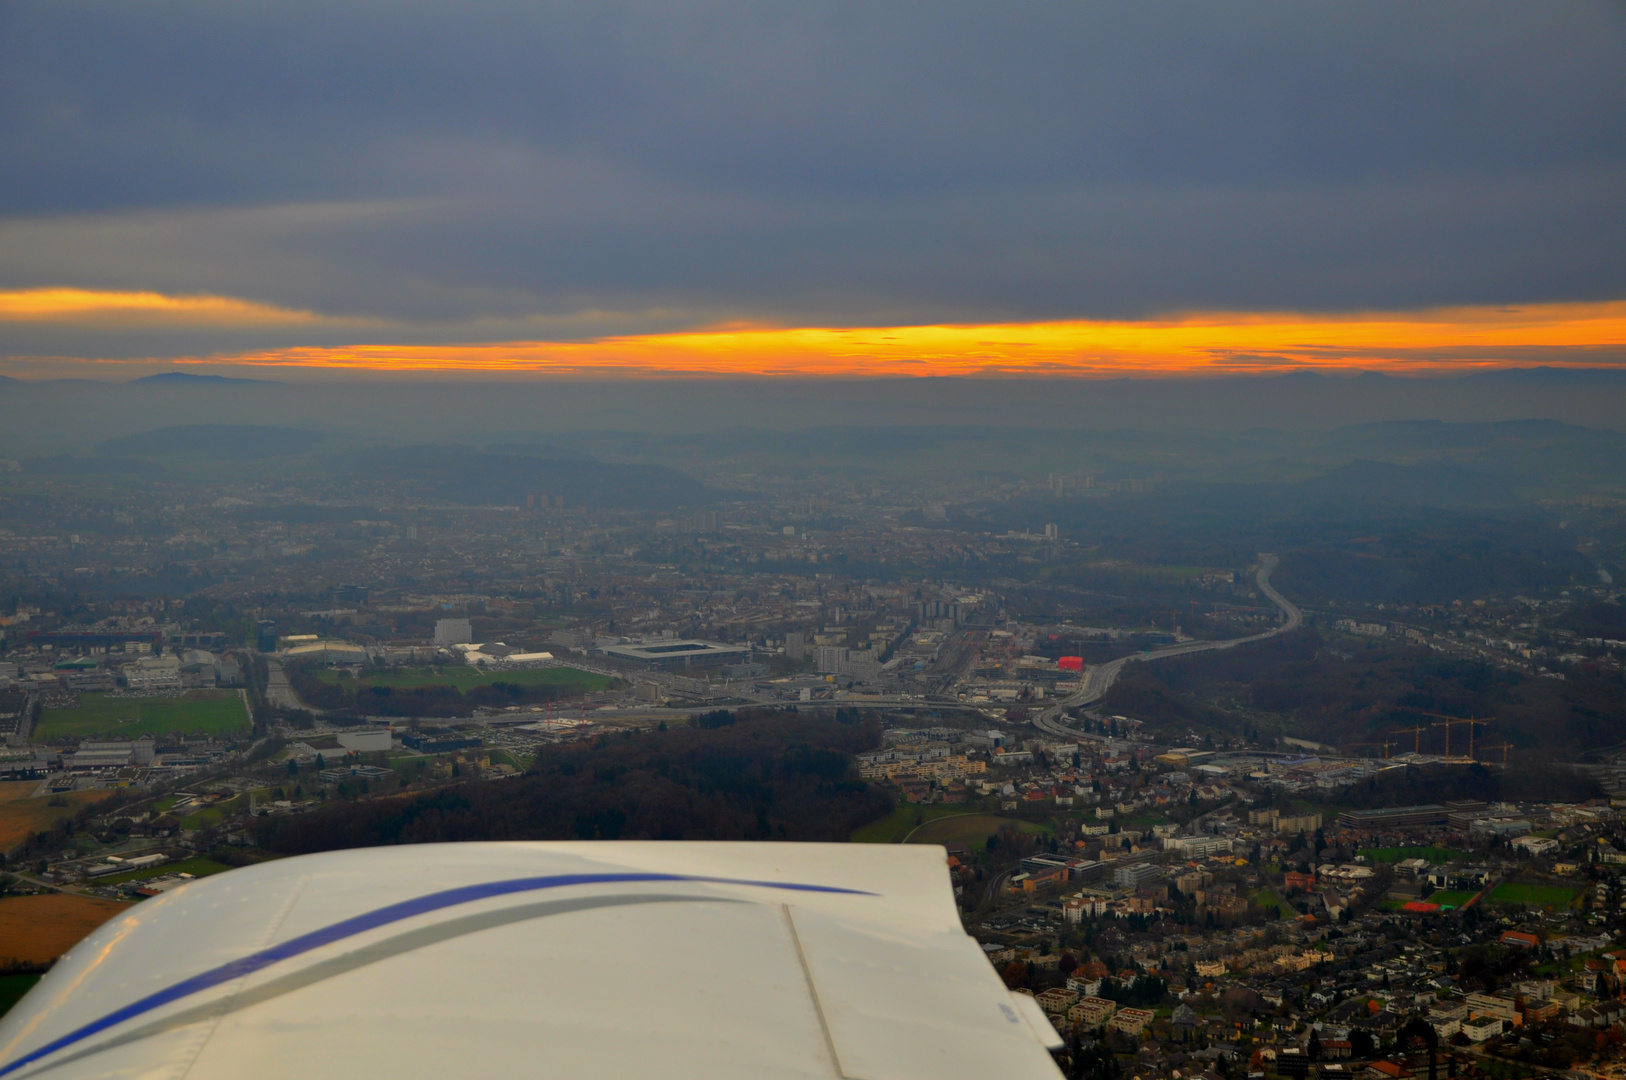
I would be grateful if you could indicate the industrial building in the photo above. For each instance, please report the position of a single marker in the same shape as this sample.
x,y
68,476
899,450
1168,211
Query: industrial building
x,y
110,754
1135,874
325,651
453,632
1394,817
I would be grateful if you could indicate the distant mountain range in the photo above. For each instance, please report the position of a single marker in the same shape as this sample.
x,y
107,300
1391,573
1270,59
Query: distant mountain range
x,y
462,474
236,441
1543,375
183,378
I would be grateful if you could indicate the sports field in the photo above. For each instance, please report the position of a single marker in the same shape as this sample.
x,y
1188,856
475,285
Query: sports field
x,y
1552,897
38,929
462,678
196,712
1452,898
503,757
198,867
21,815
1400,854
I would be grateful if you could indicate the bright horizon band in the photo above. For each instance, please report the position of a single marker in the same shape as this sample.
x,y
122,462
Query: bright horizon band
x,y
1201,343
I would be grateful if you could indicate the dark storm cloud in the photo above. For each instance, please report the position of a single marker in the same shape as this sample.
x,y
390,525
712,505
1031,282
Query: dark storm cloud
x,y
815,161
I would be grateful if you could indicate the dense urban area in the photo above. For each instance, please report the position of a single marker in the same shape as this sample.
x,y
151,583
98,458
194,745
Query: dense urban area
x,y
1340,795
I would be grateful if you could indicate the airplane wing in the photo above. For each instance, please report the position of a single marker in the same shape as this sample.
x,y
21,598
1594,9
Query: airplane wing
x,y
598,959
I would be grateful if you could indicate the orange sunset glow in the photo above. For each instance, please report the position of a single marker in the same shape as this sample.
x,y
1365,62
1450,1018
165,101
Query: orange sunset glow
x,y
1224,343
129,308
1188,345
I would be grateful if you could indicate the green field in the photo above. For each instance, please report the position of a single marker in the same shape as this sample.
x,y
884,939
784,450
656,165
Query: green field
x,y
1453,898
205,712
463,678
197,867
973,831
896,825
1266,899
939,825
1497,1069
1432,854
1555,897
208,815
12,989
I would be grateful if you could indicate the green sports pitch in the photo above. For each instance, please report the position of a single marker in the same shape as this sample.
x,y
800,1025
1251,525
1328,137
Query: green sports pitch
x,y
196,712
1553,897
1432,853
197,867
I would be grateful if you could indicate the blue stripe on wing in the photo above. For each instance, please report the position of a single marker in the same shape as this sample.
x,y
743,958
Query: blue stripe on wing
x,y
371,920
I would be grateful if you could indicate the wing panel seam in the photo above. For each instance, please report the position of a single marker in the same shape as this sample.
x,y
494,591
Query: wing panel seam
x,y
813,992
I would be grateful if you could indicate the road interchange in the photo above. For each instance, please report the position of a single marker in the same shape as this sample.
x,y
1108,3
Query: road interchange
x,y
1099,679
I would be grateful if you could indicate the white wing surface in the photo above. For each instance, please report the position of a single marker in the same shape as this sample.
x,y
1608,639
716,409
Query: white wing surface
x,y
579,960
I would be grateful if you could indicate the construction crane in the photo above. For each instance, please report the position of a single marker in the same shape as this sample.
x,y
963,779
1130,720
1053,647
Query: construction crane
x,y
1386,744
1416,736
1452,721
1504,748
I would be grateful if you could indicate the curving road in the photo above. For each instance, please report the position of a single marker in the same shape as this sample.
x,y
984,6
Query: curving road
x,y
1101,677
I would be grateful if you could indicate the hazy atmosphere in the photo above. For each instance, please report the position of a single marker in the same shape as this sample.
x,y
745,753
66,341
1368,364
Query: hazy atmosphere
x,y
266,183
907,541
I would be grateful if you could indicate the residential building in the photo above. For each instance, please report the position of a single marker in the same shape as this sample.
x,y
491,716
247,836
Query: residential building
x,y
1057,1000
1130,1021
1482,1029
1483,1005
1092,1011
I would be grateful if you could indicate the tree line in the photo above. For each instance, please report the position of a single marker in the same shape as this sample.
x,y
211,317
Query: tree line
x,y
760,777
427,701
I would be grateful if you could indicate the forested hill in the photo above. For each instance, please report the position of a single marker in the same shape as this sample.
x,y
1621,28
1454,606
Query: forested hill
x,y
1355,693
764,777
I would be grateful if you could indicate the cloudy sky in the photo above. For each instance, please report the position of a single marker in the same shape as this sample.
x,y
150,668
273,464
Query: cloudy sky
x,y
812,186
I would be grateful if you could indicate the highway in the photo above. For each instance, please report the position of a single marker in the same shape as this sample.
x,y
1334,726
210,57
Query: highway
x,y
1101,677
279,693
